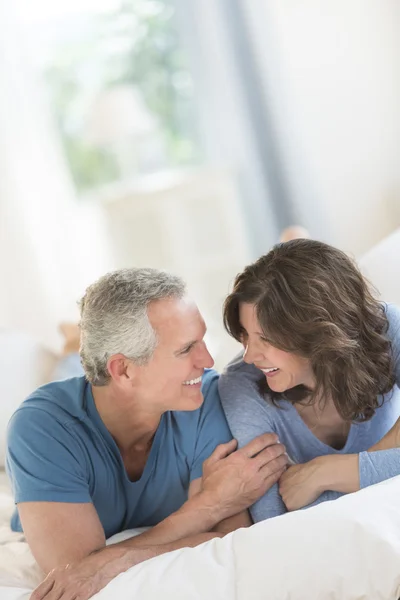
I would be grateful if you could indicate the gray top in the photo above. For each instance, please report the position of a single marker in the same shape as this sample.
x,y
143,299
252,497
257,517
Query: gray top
x,y
250,414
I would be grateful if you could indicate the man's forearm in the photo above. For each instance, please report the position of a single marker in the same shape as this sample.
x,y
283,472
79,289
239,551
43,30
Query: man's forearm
x,y
118,558
230,524
96,570
198,515
187,527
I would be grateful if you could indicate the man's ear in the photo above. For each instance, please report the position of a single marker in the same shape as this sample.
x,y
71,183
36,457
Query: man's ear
x,y
121,369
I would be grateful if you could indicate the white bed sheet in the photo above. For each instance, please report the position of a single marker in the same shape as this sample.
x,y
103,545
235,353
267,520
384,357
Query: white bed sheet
x,y
343,550
18,570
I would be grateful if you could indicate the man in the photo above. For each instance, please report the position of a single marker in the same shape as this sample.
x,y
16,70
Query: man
x,y
141,441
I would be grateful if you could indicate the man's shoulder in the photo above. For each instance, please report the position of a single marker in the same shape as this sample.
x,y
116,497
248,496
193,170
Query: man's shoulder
x,y
61,400
209,382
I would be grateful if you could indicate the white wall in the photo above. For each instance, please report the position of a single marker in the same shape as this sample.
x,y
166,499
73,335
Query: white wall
x,y
50,248
332,73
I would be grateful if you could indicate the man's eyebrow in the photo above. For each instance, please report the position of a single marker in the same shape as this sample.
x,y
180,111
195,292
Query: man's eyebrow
x,y
185,347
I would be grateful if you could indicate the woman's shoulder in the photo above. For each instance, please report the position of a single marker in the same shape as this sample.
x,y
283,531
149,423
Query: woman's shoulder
x,y
238,368
239,385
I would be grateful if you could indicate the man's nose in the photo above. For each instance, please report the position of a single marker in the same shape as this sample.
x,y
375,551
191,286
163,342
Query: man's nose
x,y
204,358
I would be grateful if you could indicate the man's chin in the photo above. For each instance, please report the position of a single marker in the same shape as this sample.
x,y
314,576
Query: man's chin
x,y
193,398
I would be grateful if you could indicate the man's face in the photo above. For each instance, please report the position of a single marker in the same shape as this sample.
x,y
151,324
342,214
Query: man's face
x,y
171,380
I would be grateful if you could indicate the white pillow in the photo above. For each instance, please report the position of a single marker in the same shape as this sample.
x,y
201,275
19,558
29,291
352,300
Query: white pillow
x,y
24,366
348,549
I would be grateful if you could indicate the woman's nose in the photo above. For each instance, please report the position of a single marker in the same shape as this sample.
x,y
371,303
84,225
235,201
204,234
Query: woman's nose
x,y
252,353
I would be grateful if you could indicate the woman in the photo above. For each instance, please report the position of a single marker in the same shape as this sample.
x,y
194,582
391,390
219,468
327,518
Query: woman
x,y
320,368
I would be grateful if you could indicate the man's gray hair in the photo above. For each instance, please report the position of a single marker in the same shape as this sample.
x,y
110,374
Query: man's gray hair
x,y
114,317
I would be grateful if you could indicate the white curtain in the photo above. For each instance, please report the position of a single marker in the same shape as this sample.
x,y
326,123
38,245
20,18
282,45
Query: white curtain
x,y
302,99
46,257
232,133
331,71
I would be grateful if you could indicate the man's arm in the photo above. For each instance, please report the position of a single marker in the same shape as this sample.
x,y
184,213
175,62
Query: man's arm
x,y
232,481
68,542
59,533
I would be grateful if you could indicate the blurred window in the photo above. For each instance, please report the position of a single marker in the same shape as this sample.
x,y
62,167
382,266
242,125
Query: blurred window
x,y
119,86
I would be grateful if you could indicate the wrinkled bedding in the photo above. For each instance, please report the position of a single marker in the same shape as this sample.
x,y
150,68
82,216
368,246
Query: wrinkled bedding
x,y
345,550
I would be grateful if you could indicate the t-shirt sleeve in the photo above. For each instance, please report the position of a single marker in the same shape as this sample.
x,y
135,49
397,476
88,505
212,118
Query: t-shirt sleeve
x,y
212,426
378,466
248,419
393,315
44,460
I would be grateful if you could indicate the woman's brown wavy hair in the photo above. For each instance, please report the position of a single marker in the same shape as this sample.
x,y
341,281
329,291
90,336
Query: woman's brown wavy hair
x,y
311,300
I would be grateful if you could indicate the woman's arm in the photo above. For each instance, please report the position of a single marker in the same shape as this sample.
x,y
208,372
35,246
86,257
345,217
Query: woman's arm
x,y
327,477
248,418
352,472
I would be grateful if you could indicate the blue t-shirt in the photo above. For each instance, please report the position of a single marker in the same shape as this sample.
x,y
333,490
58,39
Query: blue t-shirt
x,y
250,414
59,450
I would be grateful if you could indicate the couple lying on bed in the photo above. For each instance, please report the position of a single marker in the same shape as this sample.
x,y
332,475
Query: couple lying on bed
x,y
142,440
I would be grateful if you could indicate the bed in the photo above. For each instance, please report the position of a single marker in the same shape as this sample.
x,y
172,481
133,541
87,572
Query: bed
x,y
343,550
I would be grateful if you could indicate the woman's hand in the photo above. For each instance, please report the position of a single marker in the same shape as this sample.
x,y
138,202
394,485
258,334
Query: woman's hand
x,y
301,484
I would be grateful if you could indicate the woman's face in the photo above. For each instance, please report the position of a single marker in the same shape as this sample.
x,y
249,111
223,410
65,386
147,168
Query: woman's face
x,y
283,370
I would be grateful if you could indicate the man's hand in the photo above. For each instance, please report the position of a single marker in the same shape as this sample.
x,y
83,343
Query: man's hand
x,y
80,580
301,484
235,480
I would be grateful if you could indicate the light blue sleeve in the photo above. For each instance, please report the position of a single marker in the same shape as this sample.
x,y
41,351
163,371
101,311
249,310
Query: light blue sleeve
x,y
212,426
44,461
247,420
375,467
393,314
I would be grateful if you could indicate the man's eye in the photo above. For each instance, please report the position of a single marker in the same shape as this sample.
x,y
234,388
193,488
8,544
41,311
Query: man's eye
x,y
187,350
